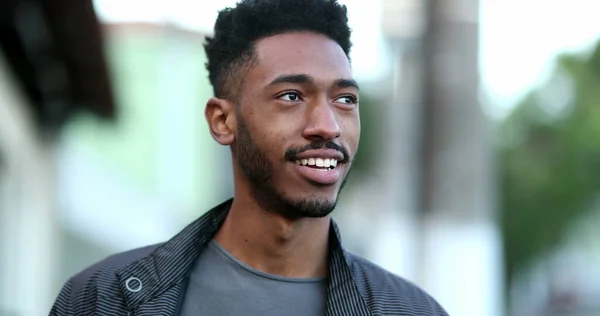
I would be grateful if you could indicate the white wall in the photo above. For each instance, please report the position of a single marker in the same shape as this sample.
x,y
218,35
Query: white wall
x,y
28,245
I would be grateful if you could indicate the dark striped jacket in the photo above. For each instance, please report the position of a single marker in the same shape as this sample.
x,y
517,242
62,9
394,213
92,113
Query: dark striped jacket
x,y
152,280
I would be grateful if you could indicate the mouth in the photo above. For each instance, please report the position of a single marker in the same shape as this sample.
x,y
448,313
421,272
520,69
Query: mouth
x,y
319,171
322,164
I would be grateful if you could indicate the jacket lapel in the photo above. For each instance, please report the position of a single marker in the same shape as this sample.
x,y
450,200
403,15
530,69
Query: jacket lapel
x,y
343,296
154,284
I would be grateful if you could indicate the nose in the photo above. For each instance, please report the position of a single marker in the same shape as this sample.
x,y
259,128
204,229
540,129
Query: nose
x,y
322,122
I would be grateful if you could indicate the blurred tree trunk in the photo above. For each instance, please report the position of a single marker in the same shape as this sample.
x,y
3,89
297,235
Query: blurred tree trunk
x,y
455,142
461,243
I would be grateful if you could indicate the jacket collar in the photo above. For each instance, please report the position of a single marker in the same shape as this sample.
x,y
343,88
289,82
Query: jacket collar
x,y
171,262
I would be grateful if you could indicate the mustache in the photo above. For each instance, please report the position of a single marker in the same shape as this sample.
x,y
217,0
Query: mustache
x,y
292,153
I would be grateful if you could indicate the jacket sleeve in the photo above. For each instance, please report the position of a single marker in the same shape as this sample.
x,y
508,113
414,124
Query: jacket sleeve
x,y
62,305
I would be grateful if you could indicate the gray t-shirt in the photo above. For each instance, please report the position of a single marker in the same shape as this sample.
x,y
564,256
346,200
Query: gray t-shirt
x,y
222,285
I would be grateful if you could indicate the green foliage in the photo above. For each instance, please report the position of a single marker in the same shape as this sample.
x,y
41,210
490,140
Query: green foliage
x,y
550,159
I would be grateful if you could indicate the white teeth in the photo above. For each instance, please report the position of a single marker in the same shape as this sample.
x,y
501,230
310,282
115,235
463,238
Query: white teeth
x,y
320,162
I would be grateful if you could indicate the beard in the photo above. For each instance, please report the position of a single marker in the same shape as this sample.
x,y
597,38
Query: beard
x,y
259,171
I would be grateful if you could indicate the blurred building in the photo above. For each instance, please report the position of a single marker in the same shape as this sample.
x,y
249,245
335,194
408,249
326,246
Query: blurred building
x,y
157,166
27,219
49,72
95,187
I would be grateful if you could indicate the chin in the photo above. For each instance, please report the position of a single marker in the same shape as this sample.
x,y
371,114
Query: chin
x,y
311,206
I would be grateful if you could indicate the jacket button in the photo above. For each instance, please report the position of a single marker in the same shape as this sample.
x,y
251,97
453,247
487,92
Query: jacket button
x,y
133,284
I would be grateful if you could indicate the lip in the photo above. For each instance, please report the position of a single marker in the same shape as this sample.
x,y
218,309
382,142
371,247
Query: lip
x,y
322,177
321,153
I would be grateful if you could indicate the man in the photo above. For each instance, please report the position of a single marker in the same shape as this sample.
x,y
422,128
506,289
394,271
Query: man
x,y
287,106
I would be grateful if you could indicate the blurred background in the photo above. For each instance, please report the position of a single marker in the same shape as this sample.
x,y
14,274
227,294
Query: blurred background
x,y
478,176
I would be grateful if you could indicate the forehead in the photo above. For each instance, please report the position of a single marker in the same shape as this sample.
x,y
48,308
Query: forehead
x,y
301,53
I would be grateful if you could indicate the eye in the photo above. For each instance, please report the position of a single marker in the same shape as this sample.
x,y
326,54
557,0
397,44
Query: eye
x,y
290,96
347,99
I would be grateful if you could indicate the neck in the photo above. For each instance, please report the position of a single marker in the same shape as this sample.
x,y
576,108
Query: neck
x,y
274,244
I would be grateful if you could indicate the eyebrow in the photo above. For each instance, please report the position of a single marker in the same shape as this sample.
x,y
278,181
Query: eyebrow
x,y
347,83
304,79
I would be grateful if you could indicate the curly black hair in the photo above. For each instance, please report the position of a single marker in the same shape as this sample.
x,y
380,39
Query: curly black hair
x,y
231,48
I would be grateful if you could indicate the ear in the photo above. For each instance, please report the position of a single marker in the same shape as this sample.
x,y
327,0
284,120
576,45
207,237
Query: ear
x,y
222,123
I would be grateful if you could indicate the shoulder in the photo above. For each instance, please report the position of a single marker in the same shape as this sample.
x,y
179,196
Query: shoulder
x,y
103,272
97,280
386,292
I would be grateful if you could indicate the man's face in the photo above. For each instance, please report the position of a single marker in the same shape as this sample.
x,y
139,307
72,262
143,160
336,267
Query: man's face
x,y
298,124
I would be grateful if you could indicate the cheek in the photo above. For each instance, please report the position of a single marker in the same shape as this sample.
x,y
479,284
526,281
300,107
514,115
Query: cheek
x,y
271,137
351,130
277,139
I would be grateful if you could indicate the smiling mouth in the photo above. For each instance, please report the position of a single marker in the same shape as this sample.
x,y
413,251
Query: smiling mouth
x,y
324,164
